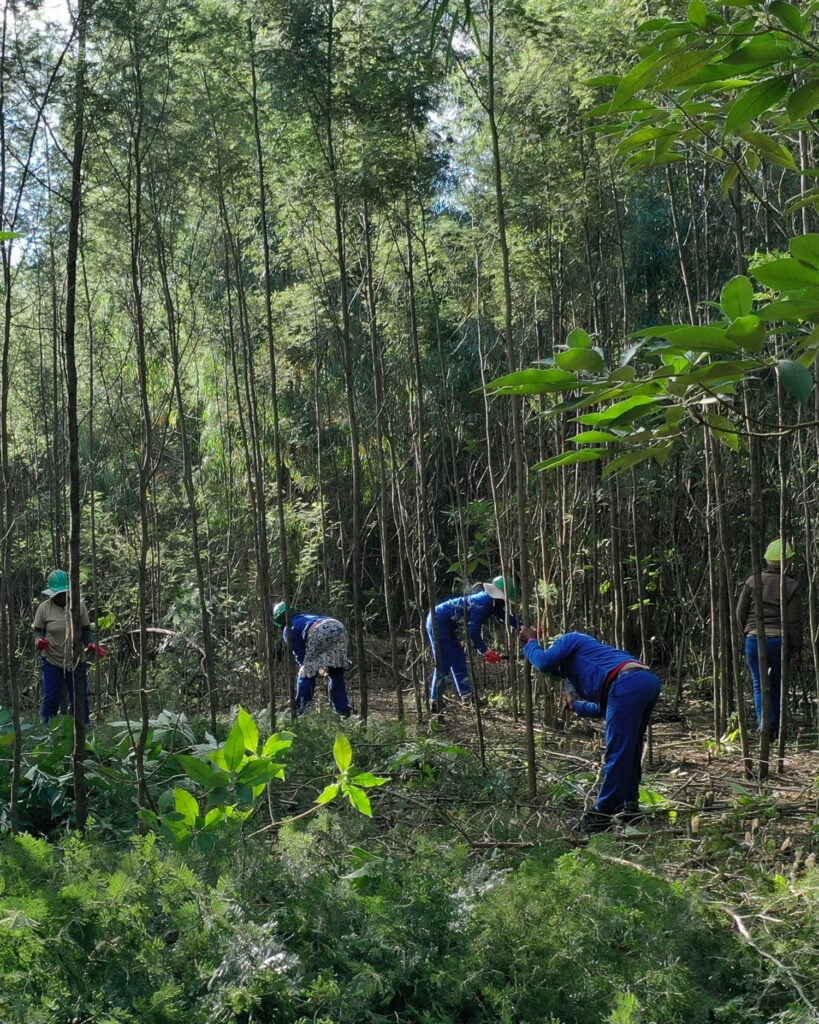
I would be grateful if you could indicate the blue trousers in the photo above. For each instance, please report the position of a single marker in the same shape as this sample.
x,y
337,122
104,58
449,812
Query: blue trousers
x,y
55,680
773,646
450,660
630,702
305,687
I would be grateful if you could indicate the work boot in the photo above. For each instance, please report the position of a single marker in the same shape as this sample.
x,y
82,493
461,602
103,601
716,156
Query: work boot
x,y
596,821
630,815
435,707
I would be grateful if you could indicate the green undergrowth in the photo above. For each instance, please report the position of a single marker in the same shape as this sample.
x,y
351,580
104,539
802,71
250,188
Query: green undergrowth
x,y
455,901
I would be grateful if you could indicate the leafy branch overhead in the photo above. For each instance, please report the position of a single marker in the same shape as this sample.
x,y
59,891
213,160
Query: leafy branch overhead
x,y
695,370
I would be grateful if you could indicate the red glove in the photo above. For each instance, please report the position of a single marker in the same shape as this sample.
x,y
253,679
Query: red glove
x,y
42,643
493,658
97,649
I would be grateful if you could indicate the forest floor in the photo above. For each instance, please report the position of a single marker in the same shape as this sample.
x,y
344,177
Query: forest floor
x,y
700,786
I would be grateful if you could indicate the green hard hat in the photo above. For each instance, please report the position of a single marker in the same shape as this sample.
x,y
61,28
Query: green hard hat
x,y
58,583
280,613
501,588
773,552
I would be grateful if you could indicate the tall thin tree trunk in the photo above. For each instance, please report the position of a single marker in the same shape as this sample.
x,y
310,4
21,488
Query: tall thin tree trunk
x,y
72,260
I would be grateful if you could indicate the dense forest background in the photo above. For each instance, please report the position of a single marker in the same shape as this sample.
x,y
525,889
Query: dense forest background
x,y
307,236
357,303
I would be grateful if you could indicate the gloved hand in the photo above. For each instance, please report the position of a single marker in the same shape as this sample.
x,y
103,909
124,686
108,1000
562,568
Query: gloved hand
x,y
42,643
492,658
98,649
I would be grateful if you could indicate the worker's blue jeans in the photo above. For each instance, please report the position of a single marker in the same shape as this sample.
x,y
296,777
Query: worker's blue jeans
x,y
55,679
773,646
631,700
450,660
338,691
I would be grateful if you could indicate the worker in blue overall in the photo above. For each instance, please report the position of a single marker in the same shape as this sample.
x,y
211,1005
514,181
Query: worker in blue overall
x,y
604,682
470,612
319,644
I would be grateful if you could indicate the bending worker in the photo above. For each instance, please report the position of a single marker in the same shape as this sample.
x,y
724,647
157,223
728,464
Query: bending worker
x,y
773,622
604,682
63,669
319,644
446,619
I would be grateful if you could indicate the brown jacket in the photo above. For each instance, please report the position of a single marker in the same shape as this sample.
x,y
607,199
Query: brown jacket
x,y
772,618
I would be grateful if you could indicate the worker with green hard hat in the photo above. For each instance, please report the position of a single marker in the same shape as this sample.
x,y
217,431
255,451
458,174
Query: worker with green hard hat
x,y
64,669
443,627
775,620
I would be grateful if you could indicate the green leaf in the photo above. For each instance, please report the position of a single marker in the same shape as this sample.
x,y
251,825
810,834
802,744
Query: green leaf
x,y
579,360
250,731
786,275
770,148
641,74
724,429
803,101
737,297
201,772
259,771
683,67
789,15
594,437
276,743
570,458
790,310
806,249
8,236
343,752
328,793
698,14
762,52
359,799
533,382
186,805
748,332
755,101
578,338
234,748
796,379
659,452
622,412
368,779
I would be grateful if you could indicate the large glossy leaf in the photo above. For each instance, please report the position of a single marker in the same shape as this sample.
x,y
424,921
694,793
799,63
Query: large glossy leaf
x,y
737,297
790,310
788,15
640,75
769,148
748,332
581,360
571,458
724,429
250,731
534,382
762,52
796,379
755,101
786,275
594,437
234,748
806,249
578,338
622,412
186,805
201,772
659,452
343,752
804,100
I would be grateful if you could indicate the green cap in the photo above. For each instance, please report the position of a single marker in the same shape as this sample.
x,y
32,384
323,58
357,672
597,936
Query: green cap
x,y
501,588
58,583
280,614
773,552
